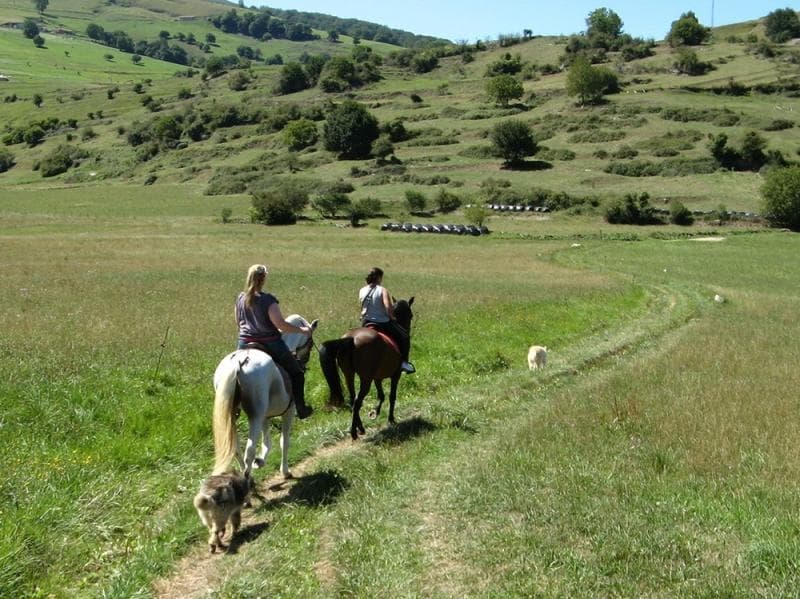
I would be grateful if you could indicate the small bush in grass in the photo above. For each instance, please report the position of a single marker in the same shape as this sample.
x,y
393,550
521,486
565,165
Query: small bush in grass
x,y
364,208
680,214
781,197
225,215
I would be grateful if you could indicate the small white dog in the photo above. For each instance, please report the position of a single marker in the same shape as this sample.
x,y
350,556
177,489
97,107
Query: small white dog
x,y
537,357
220,499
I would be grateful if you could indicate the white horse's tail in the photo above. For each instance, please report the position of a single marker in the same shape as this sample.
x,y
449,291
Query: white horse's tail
x,y
226,438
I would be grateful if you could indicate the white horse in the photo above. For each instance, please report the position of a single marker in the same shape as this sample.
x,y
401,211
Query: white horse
x,y
249,379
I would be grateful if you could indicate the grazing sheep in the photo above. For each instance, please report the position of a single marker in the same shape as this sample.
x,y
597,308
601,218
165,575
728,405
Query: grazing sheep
x,y
220,499
537,357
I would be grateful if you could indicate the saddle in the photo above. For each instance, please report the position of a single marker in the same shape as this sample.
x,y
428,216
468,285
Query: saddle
x,y
389,341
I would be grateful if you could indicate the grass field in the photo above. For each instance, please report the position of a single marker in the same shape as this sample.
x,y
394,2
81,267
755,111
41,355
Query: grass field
x,y
650,458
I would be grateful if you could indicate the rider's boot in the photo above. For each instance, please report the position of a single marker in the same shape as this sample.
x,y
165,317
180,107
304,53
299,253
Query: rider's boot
x,y
408,367
298,389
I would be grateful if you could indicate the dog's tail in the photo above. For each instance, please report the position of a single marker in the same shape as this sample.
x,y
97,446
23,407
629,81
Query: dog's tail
x,y
226,437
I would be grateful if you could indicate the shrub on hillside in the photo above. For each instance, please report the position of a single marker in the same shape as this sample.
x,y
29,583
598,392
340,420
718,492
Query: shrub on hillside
x,y
782,25
416,201
60,160
447,201
779,125
687,31
280,204
329,203
513,140
632,210
680,214
781,197
6,160
300,134
350,130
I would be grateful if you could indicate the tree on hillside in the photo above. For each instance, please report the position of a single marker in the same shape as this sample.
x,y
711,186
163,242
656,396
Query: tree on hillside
x,y
605,22
350,129
781,193
29,28
782,25
292,78
503,88
687,31
41,5
513,140
590,83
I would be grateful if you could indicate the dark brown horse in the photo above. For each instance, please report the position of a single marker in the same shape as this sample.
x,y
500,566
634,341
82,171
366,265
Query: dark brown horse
x,y
366,353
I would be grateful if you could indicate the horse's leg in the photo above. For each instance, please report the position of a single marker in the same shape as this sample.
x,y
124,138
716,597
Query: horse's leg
x,y
286,427
256,423
349,379
357,426
266,447
393,397
376,411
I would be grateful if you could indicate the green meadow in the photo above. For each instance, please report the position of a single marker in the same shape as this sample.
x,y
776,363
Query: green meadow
x,y
653,456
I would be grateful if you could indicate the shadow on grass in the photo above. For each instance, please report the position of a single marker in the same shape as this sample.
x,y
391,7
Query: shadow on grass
x,y
317,489
402,432
246,534
528,165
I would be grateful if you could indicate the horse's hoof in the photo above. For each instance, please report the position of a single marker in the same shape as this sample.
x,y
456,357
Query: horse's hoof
x,y
247,503
373,414
362,430
288,476
258,463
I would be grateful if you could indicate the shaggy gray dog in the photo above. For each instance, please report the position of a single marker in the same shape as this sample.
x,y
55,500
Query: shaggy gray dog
x,y
220,499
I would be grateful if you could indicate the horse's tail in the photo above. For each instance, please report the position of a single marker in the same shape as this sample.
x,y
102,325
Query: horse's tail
x,y
329,352
226,439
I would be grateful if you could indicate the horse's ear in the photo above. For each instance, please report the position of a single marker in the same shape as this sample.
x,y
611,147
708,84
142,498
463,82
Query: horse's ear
x,y
411,301
314,324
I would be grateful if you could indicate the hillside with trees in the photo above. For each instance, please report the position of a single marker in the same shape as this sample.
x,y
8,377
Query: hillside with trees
x,y
238,100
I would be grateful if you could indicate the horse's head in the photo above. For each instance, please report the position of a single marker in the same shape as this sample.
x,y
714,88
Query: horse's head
x,y
403,313
298,343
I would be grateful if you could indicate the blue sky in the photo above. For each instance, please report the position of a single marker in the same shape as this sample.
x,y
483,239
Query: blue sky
x,y
481,19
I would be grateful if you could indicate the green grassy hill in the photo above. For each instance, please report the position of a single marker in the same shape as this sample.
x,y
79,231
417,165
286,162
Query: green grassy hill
x,y
102,91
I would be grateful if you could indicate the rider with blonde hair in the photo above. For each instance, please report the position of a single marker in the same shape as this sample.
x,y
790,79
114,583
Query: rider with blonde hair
x,y
377,312
260,321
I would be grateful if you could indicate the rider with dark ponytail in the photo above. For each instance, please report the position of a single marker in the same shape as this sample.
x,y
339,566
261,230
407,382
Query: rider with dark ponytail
x,y
377,312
